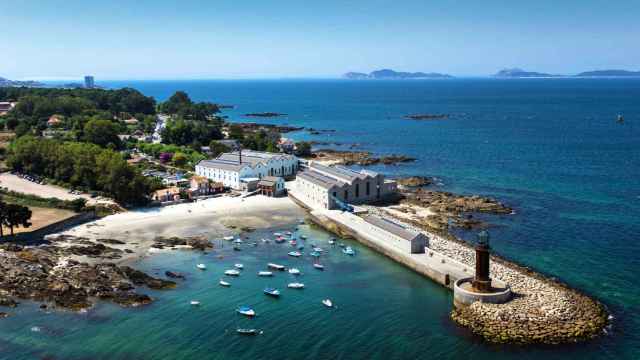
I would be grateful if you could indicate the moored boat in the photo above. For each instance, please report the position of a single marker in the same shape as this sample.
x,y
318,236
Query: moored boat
x,y
327,303
275,266
294,271
295,253
245,310
202,266
237,241
349,251
228,238
318,266
239,266
265,273
242,331
224,283
271,292
237,248
315,254
232,272
296,285
195,303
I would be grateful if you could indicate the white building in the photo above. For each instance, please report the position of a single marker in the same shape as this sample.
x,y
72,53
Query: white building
x,y
235,168
325,186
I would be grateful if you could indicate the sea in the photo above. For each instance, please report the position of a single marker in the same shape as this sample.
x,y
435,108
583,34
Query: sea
x,y
550,148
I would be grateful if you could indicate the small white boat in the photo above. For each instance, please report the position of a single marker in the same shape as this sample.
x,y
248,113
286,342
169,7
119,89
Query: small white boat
x,y
202,266
303,237
318,266
249,331
239,266
265,273
195,303
224,283
288,233
294,271
277,234
327,303
237,241
317,249
272,292
331,242
349,251
228,238
295,253
275,266
296,285
232,272
245,310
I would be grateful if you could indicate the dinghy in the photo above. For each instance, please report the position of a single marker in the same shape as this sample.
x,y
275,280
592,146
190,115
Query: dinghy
x,y
296,285
327,303
195,303
294,271
318,266
239,266
279,240
237,241
232,272
265,273
228,238
331,242
275,266
224,283
315,254
272,292
202,266
303,237
295,253
248,331
245,310
277,234
349,251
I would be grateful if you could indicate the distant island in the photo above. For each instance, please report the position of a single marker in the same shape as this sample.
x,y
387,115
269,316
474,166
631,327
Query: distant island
x,y
519,73
609,73
392,74
29,83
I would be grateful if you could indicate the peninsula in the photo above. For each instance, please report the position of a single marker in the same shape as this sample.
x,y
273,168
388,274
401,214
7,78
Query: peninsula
x,y
392,74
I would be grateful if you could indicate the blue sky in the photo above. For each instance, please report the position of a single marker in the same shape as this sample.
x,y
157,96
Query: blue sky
x,y
280,38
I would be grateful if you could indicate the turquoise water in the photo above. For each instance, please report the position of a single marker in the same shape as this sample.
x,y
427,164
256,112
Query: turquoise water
x,y
551,148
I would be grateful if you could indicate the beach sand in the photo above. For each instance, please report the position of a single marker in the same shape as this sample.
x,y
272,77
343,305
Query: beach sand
x,y
212,218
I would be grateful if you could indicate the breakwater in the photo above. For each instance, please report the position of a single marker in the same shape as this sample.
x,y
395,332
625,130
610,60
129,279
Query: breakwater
x,y
541,311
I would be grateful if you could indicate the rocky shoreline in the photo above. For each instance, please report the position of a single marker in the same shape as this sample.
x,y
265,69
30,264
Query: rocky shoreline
x,y
56,275
362,158
251,126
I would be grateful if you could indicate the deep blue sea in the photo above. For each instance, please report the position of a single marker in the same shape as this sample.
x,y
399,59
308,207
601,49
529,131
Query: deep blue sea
x,y
550,148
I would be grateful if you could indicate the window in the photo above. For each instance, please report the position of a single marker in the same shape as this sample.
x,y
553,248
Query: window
x,y
368,190
357,190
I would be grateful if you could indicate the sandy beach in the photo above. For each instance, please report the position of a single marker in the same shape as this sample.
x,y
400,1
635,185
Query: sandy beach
x,y
211,218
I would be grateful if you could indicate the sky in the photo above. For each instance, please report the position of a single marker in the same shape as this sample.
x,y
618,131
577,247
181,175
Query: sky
x,y
190,39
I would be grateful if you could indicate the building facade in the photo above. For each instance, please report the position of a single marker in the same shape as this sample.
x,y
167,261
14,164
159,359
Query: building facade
x,y
232,169
329,187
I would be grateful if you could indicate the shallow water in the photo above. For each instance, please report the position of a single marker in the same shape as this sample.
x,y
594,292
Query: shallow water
x,y
551,148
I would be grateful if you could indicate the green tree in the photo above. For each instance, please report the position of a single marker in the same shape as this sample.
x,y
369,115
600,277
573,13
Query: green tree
x,y
217,148
303,149
180,159
102,132
16,216
236,132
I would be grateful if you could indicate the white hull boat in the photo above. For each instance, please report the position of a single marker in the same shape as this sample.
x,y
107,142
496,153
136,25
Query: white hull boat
x,y
245,310
275,266
239,266
265,273
195,303
296,285
232,272
224,283
202,266
294,271
327,303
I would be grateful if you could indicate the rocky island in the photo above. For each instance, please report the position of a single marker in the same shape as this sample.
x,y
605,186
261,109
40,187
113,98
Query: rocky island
x,y
392,74
427,116
265,114
362,158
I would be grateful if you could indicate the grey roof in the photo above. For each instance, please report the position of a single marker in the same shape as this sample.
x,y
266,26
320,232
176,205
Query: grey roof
x,y
319,179
222,164
343,173
392,227
274,179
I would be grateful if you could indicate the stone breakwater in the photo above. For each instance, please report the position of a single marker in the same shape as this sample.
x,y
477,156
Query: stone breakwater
x,y
541,311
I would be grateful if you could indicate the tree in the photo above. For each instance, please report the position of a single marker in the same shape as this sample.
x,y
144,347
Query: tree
x,y
102,132
15,216
236,132
180,159
217,148
303,149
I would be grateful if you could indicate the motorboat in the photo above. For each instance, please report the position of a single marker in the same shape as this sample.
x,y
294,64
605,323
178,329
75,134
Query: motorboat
x,y
232,272
296,285
331,242
237,241
318,266
327,303
295,253
272,292
349,251
195,303
224,283
288,233
294,271
245,310
228,238
303,237
248,331
317,249
265,273
315,254
266,241
239,266
279,240
277,234
275,266
202,266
